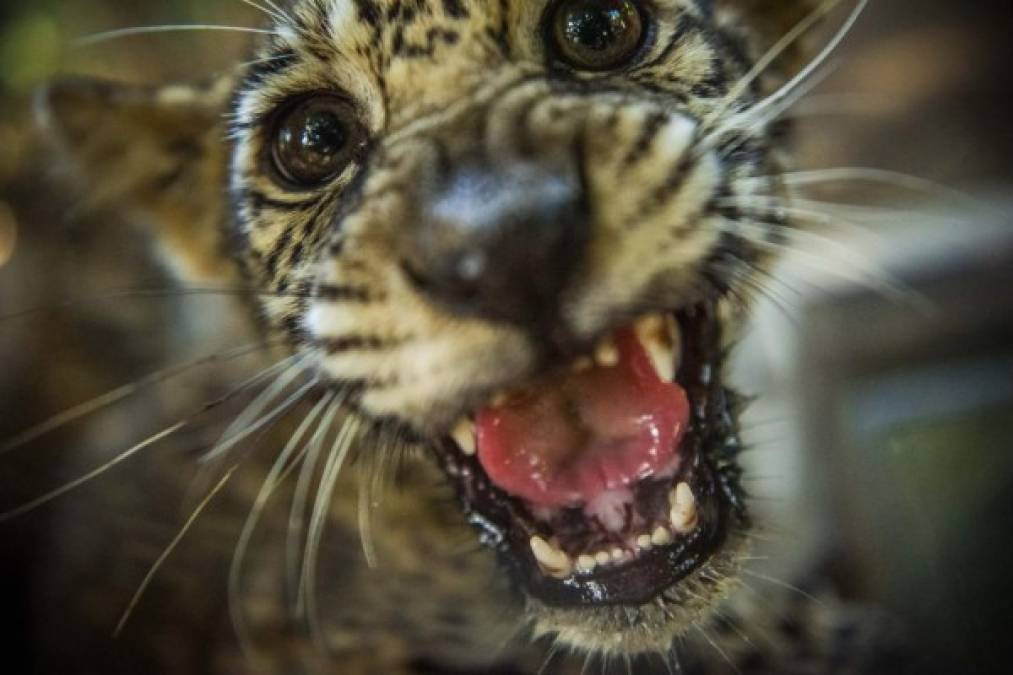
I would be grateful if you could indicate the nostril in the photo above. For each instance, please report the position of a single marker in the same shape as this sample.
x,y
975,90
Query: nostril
x,y
499,243
458,277
471,266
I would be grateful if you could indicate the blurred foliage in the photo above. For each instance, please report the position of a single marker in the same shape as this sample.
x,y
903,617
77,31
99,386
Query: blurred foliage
x,y
37,39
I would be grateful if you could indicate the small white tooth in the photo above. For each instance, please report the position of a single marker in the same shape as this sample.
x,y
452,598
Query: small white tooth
x,y
553,561
602,557
644,541
659,335
464,435
661,536
586,563
617,554
583,364
684,514
606,354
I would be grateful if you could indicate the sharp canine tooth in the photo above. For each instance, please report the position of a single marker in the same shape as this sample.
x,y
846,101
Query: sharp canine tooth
x,y
659,336
586,563
602,557
684,514
552,560
618,554
661,536
464,435
607,354
644,541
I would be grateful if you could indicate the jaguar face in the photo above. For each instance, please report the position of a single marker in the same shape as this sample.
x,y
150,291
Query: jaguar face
x,y
508,231
504,222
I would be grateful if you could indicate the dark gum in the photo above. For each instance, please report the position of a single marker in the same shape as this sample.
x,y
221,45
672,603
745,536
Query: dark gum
x,y
505,524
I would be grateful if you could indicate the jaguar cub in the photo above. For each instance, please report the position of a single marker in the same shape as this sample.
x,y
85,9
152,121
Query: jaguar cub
x,y
501,245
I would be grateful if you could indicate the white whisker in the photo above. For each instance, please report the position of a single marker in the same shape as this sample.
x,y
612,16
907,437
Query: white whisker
x,y
120,393
247,64
283,407
788,93
244,425
157,565
782,584
297,514
851,218
279,11
130,452
786,90
118,33
271,13
365,516
857,270
328,480
370,484
753,119
717,648
885,177
313,447
279,470
95,473
761,66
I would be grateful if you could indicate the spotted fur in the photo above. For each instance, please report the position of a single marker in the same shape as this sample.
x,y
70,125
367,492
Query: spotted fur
x,y
439,84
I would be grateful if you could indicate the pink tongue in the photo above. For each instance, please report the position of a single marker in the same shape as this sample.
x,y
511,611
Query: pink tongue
x,y
585,433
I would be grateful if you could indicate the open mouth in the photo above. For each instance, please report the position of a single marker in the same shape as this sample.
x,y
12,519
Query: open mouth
x,y
603,482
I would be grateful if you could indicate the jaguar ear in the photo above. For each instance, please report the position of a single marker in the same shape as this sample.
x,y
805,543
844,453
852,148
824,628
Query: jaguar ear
x,y
772,20
157,154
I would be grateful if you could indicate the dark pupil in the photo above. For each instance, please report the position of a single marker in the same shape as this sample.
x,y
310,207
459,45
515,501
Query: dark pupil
x,y
598,33
312,144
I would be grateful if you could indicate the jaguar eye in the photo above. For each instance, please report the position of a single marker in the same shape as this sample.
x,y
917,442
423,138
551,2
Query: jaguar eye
x,y
314,140
597,34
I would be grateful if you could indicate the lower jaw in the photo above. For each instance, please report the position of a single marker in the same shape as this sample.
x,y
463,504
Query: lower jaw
x,y
506,525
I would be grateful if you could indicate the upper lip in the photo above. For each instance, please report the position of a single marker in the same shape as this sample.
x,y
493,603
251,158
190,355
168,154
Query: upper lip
x,y
504,525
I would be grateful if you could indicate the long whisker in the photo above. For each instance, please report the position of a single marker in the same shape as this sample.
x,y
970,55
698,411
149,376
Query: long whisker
x,y
886,177
271,13
267,419
365,516
878,280
157,565
782,584
279,11
120,393
244,424
785,91
761,66
279,471
95,473
308,582
143,293
756,118
118,33
130,452
788,91
378,463
845,217
717,648
296,517
243,66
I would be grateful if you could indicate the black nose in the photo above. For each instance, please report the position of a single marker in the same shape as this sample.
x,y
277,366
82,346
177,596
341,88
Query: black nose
x,y
501,243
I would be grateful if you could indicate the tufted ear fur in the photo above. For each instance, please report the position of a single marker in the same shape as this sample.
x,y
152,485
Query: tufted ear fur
x,y
156,154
